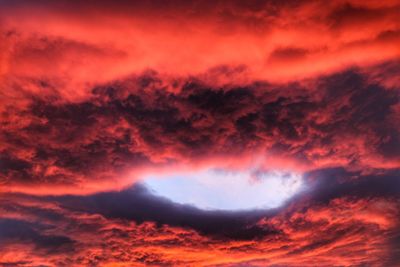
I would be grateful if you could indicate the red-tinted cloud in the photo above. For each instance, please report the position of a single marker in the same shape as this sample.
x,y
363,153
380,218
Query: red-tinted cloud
x,y
74,42
132,227
95,94
132,126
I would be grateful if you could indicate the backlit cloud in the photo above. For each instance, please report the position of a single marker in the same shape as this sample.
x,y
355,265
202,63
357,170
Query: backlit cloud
x,y
199,133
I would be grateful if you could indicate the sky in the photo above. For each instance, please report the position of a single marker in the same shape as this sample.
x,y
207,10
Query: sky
x,y
222,190
200,133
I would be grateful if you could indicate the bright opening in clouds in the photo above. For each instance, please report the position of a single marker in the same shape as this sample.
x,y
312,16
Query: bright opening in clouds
x,y
227,190
200,133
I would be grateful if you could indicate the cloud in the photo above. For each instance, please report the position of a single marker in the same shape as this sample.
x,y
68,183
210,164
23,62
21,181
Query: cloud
x,y
126,128
96,95
135,227
16,231
116,39
139,205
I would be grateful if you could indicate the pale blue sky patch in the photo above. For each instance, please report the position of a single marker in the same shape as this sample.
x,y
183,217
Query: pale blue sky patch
x,y
227,190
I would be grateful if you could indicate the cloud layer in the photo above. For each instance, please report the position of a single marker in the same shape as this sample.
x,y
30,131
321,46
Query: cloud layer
x,y
337,224
96,95
131,126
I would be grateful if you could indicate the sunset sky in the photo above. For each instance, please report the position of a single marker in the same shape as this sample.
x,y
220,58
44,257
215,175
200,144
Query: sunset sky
x,y
200,133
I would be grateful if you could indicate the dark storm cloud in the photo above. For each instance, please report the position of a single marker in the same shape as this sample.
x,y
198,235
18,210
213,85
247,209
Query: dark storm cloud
x,y
126,124
333,183
340,210
32,233
139,205
13,167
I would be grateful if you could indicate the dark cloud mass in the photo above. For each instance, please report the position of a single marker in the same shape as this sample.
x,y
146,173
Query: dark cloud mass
x,y
337,118
97,96
139,205
340,208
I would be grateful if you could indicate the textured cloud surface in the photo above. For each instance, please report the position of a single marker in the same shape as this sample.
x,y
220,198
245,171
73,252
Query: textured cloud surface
x,y
96,96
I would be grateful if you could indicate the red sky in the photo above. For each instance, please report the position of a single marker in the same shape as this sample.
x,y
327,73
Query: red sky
x,y
96,95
